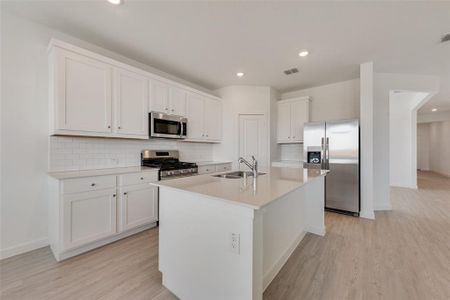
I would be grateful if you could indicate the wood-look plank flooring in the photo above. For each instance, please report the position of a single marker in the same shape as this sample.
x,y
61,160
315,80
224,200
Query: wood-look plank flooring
x,y
403,254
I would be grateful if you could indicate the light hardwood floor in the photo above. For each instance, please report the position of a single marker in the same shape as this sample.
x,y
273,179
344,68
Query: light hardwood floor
x,y
403,254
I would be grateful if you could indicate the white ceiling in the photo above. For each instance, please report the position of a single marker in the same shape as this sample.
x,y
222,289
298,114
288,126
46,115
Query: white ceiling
x,y
208,42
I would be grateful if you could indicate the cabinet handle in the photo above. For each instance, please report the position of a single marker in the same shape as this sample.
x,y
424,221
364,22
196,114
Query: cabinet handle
x,y
92,184
125,193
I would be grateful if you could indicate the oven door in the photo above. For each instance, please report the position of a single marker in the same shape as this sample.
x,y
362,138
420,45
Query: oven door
x,y
167,126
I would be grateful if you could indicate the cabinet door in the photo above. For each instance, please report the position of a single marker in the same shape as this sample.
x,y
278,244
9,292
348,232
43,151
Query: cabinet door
x,y
138,206
177,101
284,122
213,120
299,116
82,93
88,217
131,103
195,115
159,96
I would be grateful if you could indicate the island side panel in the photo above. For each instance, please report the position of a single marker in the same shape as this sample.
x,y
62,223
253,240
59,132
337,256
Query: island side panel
x,y
284,226
195,254
315,206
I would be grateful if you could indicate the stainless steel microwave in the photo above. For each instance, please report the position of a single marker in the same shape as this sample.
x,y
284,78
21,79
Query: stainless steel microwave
x,y
167,126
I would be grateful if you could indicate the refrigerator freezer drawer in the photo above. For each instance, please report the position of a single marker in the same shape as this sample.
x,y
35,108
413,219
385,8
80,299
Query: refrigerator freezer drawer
x,y
342,187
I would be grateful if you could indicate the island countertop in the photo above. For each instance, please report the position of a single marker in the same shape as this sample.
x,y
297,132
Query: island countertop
x,y
278,182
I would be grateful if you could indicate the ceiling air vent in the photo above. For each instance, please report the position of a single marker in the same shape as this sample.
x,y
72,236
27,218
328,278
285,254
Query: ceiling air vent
x,y
291,71
445,38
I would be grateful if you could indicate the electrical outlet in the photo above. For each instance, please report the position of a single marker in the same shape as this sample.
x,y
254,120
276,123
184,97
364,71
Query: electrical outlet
x,y
235,242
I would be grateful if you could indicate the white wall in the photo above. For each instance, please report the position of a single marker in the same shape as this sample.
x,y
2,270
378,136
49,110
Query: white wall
x,y
366,140
384,83
241,100
433,117
334,101
329,102
423,146
434,145
24,131
402,137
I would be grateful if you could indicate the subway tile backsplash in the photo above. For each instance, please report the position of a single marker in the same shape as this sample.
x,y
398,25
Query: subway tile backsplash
x,y
291,152
79,153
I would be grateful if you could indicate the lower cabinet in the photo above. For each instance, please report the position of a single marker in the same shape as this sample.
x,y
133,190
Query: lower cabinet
x,y
89,212
88,217
138,206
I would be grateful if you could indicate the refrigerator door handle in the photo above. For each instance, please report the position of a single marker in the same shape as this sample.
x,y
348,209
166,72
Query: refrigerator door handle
x,y
327,153
322,150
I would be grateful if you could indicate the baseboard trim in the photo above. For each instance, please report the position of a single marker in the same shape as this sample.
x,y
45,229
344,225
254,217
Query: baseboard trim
x,y
273,271
317,230
22,248
367,215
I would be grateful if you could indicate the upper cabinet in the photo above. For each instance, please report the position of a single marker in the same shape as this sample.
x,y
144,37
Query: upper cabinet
x,y
291,116
93,95
130,103
204,116
82,93
167,98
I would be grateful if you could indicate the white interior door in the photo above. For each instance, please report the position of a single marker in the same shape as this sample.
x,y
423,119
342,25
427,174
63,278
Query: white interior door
x,y
254,139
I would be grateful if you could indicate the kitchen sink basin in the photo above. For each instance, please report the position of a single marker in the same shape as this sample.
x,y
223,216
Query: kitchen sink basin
x,y
236,174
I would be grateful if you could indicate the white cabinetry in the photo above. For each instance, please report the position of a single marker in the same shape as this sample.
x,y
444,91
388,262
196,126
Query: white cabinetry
x,y
88,217
93,95
138,205
130,103
168,99
291,116
81,93
138,200
88,212
204,118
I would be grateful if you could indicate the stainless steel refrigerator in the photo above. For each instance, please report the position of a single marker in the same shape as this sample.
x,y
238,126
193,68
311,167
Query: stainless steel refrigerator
x,y
334,146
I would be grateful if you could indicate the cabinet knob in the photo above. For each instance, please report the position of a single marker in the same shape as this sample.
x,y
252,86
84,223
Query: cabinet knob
x,y
125,193
166,108
92,184
142,178
114,195
109,126
118,127
173,110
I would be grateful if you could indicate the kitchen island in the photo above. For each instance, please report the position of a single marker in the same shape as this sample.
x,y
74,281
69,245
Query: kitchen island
x,y
226,238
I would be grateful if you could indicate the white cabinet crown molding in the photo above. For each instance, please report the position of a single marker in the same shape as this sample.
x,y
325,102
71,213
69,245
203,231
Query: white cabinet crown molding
x,y
67,46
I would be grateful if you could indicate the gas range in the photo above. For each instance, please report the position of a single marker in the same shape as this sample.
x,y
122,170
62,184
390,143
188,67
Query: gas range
x,y
168,164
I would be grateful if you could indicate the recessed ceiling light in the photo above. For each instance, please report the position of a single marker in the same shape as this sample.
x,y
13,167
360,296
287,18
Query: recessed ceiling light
x,y
240,74
434,109
115,2
303,53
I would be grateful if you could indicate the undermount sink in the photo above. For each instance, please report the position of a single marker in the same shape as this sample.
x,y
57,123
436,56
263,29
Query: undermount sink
x,y
236,174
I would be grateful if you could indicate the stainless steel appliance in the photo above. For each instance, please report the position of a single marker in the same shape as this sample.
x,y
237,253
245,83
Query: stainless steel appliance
x,y
334,146
168,163
167,126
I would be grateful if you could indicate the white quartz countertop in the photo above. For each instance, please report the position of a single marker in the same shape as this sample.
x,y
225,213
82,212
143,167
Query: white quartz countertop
x,y
278,182
100,172
208,163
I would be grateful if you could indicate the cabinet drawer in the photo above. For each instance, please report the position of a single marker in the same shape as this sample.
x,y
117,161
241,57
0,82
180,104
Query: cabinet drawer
x,y
223,167
138,178
88,184
206,169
